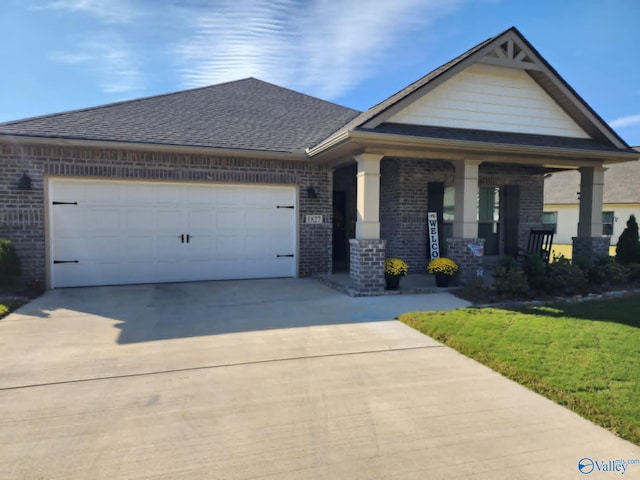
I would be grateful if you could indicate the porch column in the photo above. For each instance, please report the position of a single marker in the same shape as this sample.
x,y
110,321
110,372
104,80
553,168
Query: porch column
x,y
465,248
590,243
368,196
367,250
465,222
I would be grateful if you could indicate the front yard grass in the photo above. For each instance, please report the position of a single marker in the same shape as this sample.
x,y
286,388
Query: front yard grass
x,y
585,356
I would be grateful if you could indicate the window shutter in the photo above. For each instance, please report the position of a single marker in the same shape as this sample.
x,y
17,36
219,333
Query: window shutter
x,y
511,211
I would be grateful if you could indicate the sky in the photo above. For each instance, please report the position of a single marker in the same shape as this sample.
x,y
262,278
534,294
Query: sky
x,y
61,55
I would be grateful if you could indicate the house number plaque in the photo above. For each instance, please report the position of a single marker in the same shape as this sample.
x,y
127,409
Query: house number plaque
x,y
313,219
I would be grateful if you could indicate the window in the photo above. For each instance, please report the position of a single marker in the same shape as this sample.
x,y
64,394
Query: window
x,y
550,220
607,223
489,219
487,214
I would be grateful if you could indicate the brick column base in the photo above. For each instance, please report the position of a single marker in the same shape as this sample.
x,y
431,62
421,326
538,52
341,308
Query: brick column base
x,y
367,266
470,260
590,248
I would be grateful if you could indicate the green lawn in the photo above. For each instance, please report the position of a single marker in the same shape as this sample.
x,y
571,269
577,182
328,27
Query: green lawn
x,y
585,356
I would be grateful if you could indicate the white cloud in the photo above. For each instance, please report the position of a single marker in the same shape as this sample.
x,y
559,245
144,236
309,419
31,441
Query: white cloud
x,y
322,46
625,121
108,57
111,11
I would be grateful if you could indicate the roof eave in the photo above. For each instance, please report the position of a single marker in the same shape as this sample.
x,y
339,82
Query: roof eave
x,y
405,145
148,146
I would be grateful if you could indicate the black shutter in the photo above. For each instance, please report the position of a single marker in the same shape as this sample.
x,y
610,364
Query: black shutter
x,y
435,203
511,223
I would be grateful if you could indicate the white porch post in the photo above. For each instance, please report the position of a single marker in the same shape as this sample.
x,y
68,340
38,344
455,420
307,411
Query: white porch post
x,y
465,223
591,197
367,250
368,196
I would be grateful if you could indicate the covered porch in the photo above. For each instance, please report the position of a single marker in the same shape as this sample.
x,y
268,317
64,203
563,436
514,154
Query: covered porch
x,y
486,203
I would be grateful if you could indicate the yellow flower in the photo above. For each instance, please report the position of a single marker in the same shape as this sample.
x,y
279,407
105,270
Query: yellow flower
x,y
395,266
442,265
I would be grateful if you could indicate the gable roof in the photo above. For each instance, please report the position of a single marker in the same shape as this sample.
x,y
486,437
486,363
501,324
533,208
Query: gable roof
x,y
246,114
509,48
621,185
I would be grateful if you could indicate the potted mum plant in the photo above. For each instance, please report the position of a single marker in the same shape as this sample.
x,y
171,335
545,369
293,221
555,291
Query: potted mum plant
x,y
394,268
444,269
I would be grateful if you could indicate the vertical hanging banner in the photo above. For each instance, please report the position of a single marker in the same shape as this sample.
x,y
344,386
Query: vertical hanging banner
x,y
432,229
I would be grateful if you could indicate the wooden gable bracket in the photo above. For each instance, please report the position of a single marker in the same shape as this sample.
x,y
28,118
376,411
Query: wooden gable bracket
x,y
512,54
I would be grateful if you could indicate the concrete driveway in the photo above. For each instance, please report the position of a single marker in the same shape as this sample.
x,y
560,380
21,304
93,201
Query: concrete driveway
x,y
265,379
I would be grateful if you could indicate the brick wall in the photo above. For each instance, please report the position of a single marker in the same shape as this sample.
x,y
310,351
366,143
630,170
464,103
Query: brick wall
x,y
403,201
22,213
403,207
367,266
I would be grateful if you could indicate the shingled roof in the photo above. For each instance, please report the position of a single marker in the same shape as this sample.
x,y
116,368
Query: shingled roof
x,y
246,114
621,182
375,118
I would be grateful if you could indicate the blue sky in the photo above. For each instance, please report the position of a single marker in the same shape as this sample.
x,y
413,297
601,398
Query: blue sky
x,y
65,54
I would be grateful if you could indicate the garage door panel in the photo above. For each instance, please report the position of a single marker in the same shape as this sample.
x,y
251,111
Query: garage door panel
x,y
103,219
132,232
141,195
138,219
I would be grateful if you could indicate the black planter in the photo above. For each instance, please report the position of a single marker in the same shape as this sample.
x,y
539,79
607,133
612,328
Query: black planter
x,y
443,280
393,281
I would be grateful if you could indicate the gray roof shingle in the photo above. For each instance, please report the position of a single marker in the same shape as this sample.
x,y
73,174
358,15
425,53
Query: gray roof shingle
x,y
246,114
620,185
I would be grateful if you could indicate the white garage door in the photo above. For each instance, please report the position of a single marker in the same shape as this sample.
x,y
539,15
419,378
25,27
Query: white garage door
x,y
121,232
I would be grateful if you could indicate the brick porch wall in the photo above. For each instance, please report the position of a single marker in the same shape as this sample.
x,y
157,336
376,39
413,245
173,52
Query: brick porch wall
x,y
403,202
22,213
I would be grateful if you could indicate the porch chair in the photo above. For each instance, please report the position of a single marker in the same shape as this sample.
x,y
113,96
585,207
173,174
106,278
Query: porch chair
x,y
540,242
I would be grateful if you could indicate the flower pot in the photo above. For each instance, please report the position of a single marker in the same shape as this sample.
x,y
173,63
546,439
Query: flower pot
x,y
393,281
443,280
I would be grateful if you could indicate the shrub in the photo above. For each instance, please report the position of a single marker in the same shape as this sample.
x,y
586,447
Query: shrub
x,y
536,270
628,249
566,278
634,271
606,270
9,264
509,278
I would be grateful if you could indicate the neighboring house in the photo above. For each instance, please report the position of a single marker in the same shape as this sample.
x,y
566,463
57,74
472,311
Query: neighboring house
x,y
621,198
247,179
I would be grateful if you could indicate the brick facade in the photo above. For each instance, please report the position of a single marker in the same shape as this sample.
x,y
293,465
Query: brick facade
x,y
22,213
590,248
367,266
403,202
469,260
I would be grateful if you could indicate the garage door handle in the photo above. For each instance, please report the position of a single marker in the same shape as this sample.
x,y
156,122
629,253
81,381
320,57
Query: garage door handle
x,y
65,261
182,238
188,237
280,256
286,206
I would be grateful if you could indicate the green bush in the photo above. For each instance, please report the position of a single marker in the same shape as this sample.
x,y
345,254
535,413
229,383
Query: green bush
x,y
9,264
565,277
536,270
509,278
628,249
634,272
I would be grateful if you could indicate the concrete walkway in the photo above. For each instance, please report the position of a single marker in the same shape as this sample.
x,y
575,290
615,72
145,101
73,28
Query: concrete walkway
x,y
265,379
